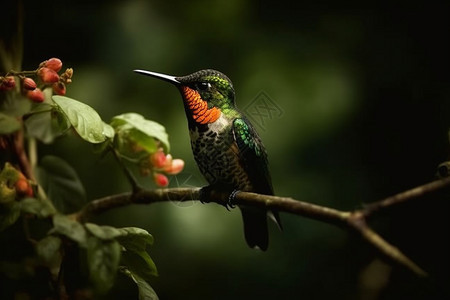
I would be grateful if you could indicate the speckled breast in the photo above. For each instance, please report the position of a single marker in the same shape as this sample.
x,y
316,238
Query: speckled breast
x,y
217,156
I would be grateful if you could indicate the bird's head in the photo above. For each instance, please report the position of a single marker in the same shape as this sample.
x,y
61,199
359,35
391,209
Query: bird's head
x,y
206,93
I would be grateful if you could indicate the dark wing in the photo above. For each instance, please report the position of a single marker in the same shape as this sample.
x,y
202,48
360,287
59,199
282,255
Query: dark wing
x,y
253,158
252,155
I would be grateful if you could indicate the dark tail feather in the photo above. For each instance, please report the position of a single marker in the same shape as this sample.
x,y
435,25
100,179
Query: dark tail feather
x,y
275,217
255,227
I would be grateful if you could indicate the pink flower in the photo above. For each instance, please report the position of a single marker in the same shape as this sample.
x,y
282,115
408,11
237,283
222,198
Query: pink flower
x,y
175,167
158,159
161,179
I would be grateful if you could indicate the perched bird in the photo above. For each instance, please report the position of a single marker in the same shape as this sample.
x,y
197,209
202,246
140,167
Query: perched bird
x,y
226,147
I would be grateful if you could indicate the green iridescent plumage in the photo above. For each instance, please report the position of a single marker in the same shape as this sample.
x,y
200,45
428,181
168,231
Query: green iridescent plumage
x,y
228,150
252,155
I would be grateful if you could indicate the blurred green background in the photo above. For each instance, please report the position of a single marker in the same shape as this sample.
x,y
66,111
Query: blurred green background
x,y
364,95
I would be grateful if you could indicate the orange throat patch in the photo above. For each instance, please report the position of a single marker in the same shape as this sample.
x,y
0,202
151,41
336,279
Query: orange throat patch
x,y
198,107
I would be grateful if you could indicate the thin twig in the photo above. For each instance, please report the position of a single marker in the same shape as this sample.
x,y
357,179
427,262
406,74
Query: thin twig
x,y
19,151
32,153
407,195
131,179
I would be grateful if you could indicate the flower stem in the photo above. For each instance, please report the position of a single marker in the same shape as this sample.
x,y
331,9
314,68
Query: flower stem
x,y
131,179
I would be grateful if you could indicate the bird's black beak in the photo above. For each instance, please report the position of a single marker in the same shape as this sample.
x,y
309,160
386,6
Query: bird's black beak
x,y
168,78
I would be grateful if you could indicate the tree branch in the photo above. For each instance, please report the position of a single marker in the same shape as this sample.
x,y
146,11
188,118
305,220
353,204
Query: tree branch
x,y
352,220
408,195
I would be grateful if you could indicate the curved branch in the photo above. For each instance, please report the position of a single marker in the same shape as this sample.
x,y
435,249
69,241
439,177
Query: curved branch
x,y
407,195
353,220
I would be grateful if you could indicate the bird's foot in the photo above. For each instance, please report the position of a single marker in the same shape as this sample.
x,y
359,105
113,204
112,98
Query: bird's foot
x,y
230,203
205,194
209,191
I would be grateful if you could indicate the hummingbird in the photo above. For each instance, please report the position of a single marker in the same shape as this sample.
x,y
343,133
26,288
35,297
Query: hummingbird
x,y
226,146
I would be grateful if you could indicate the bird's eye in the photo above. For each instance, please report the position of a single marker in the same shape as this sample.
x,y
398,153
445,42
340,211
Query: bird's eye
x,y
203,86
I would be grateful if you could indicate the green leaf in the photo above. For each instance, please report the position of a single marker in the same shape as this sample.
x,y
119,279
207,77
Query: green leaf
x,y
61,183
8,124
108,130
72,229
136,258
146,292
8,178
41,208
84,119
45,123
134,239
9,174
9,214
102,148
103,261
130,148
146,129
147,142
140,263
103,232
48,250
7,194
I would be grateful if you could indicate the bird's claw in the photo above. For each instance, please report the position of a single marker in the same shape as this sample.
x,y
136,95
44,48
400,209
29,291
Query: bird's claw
x,y
204,194
230,203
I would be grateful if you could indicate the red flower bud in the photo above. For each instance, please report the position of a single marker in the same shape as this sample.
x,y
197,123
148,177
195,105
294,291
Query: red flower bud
x,y
54,64
161,179
158,159
29,84
48,75
36,95
7,83
59,88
